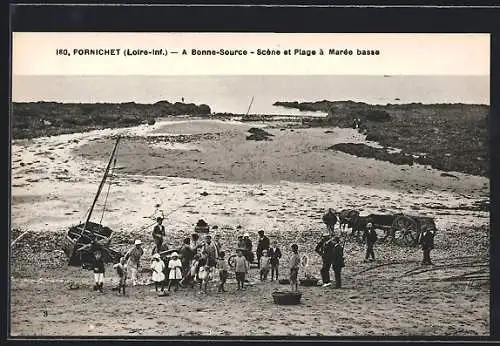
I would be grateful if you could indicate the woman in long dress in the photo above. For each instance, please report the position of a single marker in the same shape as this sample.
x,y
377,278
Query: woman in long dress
x,y
158,277
175,274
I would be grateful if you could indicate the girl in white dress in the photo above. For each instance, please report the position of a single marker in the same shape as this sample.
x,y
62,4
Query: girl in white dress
x,y
175,274
158,277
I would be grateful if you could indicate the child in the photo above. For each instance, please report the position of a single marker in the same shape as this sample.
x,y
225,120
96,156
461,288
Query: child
x,y
294,267
175,274
121,269
204,274
98,271
274,256
222,266
158,277
241,267
190,277
264,266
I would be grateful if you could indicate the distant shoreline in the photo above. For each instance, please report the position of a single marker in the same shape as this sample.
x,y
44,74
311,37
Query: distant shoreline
x,y
449,137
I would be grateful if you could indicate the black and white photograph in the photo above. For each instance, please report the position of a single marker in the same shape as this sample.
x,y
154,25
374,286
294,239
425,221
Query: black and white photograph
x,y
244,184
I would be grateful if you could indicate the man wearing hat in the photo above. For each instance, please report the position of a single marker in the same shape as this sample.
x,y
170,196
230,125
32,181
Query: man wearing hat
x,y
325,249
337,260
158,234
330,219
371,237
263,244
133,258
427,243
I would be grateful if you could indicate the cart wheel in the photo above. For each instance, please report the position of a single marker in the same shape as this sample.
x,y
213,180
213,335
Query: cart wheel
x,y
405,231
231,261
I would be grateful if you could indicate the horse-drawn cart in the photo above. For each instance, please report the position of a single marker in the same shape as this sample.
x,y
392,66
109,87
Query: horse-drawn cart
x,y
401,229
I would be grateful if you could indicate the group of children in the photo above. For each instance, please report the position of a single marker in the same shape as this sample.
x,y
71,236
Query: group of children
x,y
200,270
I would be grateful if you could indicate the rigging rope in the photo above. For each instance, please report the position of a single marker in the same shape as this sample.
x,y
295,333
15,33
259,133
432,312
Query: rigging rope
x,y
107,193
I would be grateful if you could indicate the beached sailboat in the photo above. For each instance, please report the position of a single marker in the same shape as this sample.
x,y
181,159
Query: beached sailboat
x,y
84,239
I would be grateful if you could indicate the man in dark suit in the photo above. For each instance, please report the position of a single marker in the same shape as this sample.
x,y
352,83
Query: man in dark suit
x,y
427,243
274,259
158,235
262,245
371,237
337,260
325,249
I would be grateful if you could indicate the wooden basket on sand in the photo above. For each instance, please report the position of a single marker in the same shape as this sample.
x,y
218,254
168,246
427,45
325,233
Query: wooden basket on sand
x,y
286,298
309,282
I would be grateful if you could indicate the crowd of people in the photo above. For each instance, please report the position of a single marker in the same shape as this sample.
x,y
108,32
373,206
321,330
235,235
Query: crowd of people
x,y
197,261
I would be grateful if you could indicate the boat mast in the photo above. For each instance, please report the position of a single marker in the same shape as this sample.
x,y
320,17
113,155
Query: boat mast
x,y
249,106
102,183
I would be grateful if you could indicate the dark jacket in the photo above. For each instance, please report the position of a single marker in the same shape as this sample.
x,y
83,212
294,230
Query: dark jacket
x,y
338,257
98,265
274,255
427,240
325,249
263,245
186,254
370,236
158,231
247,244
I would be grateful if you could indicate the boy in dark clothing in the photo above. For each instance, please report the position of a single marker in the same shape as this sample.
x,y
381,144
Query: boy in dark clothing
x,y
262,245
427,243
337,260
325,249
371,237
98,271
274,259
158,234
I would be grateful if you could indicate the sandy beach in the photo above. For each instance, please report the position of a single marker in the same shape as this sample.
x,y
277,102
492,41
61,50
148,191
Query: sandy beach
x,y
206,169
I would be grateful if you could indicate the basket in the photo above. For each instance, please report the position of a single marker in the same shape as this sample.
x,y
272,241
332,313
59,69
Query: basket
x,y
309,282
287,298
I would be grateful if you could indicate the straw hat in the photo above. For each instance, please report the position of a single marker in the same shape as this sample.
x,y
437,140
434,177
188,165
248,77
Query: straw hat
x,y
174,254
246,235
369,224
326,234
156,255
138,242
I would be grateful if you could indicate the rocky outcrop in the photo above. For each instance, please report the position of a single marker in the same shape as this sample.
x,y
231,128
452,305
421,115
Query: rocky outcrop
x,y
36,119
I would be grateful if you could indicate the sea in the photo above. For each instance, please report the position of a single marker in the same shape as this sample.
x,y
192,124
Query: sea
x,y
234,94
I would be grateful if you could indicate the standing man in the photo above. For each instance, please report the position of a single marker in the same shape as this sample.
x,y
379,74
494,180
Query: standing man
x,y
275,256
371,237
427,243
262,245
210,252
337,261
158,235
325,250
133,258
217,243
